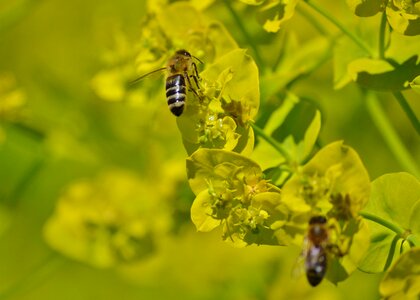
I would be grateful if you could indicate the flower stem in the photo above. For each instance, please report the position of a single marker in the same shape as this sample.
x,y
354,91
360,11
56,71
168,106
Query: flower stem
x,y
408,111
272,142
245,33
391,226
33,171
381,50
391,138
401,232
340,26
312,20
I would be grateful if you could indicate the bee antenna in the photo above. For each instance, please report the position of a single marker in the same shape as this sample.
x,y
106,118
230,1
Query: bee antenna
x,y
197,59
145,75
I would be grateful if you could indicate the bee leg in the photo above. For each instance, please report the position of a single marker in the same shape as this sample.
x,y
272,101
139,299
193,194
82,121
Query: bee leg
x,y
195,80
195,70
336,250
335,245
190,86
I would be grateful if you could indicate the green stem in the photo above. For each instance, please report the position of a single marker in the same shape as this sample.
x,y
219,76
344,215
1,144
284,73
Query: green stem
x,y
35,277
25,181
340,26
391,138
313,21
408,111
401,232
381,50
391,226
245,33
272,142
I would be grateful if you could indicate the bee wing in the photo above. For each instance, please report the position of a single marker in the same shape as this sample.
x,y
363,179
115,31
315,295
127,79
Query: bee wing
x,y
299,267
145,75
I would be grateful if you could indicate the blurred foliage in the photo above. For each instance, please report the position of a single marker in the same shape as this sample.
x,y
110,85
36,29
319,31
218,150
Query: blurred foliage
x,y
93,185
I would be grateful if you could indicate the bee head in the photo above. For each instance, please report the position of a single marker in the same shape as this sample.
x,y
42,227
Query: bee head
x,y
183,52
317,220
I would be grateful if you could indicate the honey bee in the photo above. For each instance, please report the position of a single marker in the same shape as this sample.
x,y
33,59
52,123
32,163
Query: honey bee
x,y
180,68
316,249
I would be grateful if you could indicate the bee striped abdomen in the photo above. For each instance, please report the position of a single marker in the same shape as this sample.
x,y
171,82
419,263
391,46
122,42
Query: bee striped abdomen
x,y
176,92
316,265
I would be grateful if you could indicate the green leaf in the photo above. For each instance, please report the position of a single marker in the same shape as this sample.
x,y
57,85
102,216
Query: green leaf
x,y
366,8
402,280
414,223
404,17
384,76
295,125
273,14
395,197
202,167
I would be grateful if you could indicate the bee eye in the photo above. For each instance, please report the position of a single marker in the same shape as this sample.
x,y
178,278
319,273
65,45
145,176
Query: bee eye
x,y
183,52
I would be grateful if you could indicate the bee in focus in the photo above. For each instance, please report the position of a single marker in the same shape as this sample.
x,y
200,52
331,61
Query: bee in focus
x,y
180,69
315,250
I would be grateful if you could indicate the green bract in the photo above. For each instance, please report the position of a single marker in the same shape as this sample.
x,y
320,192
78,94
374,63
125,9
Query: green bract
x,y
402,280
404,16
366,8
333,182
273,13
395,198
401,66
231,191
378,74
229,99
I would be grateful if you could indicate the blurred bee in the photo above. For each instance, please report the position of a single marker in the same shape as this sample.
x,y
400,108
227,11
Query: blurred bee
x,y
315,250
180,68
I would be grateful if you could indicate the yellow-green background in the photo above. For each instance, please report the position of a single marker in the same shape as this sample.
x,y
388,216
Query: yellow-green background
x,y
65,133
